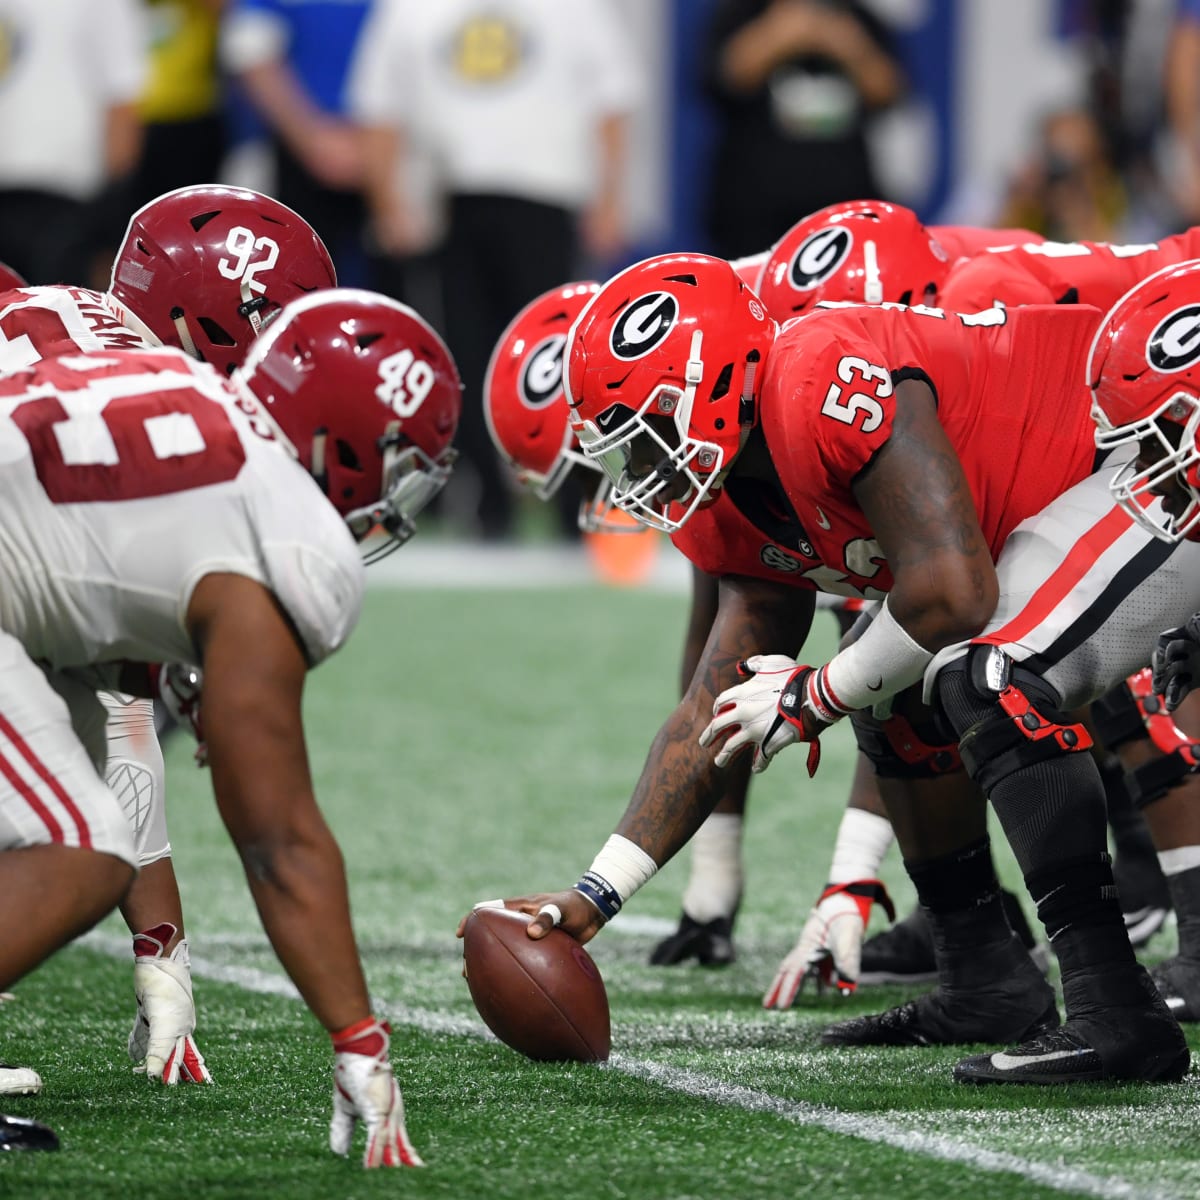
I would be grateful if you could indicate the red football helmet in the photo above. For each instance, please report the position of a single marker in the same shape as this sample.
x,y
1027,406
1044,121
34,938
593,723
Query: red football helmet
x,y
9,278
204,268
369,398
661,374
866,251
1144,372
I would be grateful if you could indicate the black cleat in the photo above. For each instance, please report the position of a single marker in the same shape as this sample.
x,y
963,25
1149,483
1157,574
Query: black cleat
x,y
988,991
1142,887
711,943
1178,982
903,953
933,1020
1125,1042
19,1133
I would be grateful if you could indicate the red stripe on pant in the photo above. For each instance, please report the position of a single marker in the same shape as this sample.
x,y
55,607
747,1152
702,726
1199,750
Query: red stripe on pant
x,y
40,769
1064,579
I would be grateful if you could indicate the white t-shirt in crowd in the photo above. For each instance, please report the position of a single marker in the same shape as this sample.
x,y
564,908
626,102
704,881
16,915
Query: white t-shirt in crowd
x,y
505,95
63,64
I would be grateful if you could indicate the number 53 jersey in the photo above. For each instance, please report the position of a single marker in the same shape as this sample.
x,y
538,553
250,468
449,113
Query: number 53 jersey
x,y
1010,392
125,477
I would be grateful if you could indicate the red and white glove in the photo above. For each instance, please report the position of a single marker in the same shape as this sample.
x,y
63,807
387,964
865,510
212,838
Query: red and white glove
x,y
772,709
364,1090
161,1040
830,947
178,686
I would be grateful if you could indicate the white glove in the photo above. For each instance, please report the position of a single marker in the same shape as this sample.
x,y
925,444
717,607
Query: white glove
x,y
767,712
161,1038
830,945
364,1090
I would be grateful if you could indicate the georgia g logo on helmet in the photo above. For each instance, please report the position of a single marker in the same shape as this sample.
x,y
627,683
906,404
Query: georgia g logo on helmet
x,y
541,375
819,256
1175,343
643,325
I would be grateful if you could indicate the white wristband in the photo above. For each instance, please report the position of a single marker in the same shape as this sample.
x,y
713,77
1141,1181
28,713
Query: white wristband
x,y
884,661
625,865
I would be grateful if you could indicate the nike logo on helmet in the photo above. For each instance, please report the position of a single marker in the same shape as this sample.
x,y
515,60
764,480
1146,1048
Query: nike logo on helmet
x,y
822,519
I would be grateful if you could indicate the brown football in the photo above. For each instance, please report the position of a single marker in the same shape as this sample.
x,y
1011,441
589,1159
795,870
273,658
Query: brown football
x,y
543,998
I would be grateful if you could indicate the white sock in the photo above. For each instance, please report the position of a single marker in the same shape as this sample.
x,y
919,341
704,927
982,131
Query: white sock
x,y
715,885
1184,858
862,840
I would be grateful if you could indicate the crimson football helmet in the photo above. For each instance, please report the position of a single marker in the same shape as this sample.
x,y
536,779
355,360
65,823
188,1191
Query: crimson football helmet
x,y
10,279
866,251
369,398
1144,372
662,368
526,409
205,268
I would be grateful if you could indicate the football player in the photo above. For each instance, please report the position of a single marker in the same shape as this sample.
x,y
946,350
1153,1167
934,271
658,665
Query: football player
x,y
202,268
890,453
877,252
1144,372
160,511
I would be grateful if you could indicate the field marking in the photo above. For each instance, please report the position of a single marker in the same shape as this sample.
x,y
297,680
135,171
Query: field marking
x,y
703,1087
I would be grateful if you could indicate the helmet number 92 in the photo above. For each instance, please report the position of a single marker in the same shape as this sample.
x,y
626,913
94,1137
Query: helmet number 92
x,y
243,246
852,370
405,381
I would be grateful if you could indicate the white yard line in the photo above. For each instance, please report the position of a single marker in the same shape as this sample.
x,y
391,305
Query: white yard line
x,y
703,1087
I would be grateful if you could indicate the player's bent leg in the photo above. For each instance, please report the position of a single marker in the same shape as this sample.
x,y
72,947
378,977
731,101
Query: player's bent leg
x,y
715,883
52,895
989,989
1032,762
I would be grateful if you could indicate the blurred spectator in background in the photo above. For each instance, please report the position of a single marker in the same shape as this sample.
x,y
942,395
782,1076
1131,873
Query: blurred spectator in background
x,y
180,107
795,84
520,107
290,59
1181,86
1069,190
71,74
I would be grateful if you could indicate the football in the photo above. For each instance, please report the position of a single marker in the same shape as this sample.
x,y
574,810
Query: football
x,y
543,998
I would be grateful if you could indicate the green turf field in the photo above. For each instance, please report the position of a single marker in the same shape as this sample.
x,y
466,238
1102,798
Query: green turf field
x,y
469,744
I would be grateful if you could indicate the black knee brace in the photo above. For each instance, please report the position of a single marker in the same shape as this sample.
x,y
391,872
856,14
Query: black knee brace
x,y
1180,755
1009,717
1117,718
900,750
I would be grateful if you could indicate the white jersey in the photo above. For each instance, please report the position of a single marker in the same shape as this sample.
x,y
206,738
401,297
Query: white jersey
x,y
42,322
127,476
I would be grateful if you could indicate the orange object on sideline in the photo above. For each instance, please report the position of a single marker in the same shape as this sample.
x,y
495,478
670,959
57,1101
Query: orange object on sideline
x,y
623,559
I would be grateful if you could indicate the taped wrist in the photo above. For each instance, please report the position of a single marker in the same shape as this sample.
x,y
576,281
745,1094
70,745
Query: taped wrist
x,y
616,873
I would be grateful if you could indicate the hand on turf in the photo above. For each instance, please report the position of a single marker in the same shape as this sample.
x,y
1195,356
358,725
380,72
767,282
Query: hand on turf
x,y
1175,665
830,947
365,1090
580,917
161,1039
767,712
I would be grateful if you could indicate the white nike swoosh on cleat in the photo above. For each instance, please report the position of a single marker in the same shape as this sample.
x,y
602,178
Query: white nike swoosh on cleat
x,y
1011,1062
1175,1002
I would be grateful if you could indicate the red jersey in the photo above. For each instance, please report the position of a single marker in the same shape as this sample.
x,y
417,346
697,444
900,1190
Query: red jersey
x,y
966,241
1061,272
1011,396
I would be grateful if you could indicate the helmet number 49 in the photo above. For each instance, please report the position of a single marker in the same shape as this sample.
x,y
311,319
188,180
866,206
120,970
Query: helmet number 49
x,y
405,382
243,245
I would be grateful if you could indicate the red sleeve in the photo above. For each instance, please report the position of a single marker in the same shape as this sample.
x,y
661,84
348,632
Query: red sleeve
x,y
977,283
